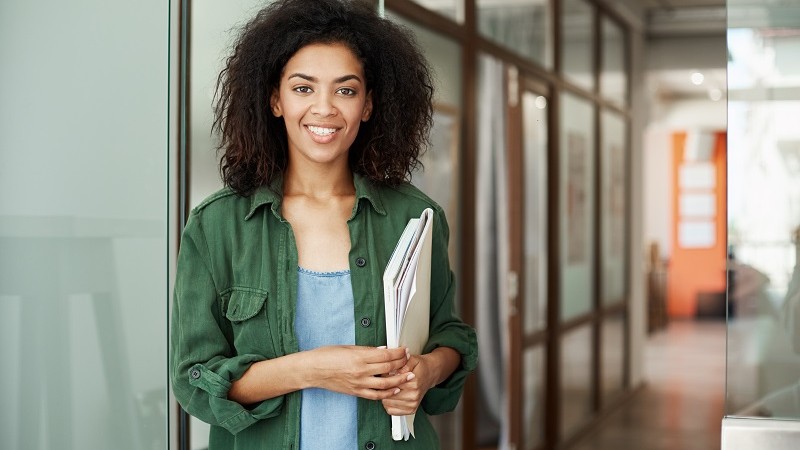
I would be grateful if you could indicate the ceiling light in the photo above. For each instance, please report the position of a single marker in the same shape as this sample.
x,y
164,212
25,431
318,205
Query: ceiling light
x,y
715,94
697,78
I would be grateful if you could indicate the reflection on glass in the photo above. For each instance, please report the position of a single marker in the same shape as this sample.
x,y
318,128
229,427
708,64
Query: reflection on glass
x,y
534,116
452,9
613,357
521,26
764,210
577,54
613,208
576,379
613,75
83,225
577,164
533,400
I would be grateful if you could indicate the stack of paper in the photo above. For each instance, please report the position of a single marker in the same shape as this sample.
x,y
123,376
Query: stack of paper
x,y
407,297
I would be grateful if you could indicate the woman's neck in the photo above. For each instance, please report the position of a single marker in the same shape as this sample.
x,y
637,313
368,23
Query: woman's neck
x,y
317,181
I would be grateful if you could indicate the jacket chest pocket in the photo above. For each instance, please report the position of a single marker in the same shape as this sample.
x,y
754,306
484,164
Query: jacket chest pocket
x,y
251,323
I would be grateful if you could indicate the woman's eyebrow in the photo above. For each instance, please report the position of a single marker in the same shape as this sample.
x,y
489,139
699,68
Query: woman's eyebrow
x,y
312,79
348,77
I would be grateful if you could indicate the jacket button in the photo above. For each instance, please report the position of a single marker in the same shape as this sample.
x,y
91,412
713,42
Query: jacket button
x,y
361,262
365,322
369,445
194,374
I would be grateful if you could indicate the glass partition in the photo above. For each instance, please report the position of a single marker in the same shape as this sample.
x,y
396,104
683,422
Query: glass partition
x,y
613,70
533,403
577,164
612,350
83,224
576,379
613,209
534,138
763,371
577,38
452,9
522,26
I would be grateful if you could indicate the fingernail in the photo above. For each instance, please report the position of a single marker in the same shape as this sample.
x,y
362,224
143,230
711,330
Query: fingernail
x,y
396,391
410,376
382,346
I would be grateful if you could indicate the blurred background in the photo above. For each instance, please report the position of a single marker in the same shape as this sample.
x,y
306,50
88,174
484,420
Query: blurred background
x,y
618,175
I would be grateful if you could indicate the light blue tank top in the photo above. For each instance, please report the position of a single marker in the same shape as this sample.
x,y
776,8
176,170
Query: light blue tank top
x,y
325,316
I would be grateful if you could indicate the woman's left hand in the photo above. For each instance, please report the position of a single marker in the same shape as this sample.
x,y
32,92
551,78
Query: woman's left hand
x,y
419,380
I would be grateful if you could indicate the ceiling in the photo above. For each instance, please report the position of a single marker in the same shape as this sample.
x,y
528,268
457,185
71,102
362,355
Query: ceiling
x,y
683,37
659,18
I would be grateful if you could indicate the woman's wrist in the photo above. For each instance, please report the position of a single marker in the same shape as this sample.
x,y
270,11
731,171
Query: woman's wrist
x,y
441,363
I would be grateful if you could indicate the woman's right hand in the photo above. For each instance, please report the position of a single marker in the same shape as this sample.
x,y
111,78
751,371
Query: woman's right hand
x,y
356,370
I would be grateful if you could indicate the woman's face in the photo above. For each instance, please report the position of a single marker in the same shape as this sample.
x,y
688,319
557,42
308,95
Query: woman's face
x,y
323,99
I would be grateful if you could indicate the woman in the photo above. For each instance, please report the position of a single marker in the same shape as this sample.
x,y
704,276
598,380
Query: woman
x,y
278,336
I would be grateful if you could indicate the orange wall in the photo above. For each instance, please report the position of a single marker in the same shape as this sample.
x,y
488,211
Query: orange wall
x,y
695,270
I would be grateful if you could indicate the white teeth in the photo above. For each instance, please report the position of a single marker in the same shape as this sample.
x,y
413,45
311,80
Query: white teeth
x,y
321,131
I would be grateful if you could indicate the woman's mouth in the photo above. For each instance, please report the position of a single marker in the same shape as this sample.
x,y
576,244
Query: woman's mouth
x,y
321,135
321,131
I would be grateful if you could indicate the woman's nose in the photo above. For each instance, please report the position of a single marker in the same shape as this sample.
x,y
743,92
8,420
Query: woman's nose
x,y
323,106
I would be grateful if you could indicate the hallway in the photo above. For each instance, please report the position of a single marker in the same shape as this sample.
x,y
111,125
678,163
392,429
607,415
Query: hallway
x,y
681,405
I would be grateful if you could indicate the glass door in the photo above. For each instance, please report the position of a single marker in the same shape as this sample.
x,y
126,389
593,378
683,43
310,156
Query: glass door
x,y
763,361
533,293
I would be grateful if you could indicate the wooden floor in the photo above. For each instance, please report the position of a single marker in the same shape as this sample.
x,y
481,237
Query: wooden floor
x,y
681,406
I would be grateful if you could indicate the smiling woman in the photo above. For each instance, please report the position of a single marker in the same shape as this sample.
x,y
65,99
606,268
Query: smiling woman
x,y
323,101
321,126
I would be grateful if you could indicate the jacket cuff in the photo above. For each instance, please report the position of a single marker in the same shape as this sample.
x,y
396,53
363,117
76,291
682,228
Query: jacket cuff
x,y
444,397
230,414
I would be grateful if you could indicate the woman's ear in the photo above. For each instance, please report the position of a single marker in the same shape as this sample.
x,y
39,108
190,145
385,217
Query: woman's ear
x,y
274,104
367,108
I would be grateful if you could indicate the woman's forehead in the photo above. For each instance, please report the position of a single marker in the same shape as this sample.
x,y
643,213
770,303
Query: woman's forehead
x,y
328,60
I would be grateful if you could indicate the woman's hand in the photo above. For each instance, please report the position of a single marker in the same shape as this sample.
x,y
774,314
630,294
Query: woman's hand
x,y
417,379
358,371
421,374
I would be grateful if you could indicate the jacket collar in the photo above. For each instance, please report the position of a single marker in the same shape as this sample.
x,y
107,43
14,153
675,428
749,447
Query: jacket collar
x,y
272,194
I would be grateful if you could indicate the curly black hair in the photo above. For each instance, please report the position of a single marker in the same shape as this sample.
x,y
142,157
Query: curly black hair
x,y
254,143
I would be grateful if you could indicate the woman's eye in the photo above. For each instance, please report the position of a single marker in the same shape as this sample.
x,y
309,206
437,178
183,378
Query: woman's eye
x,y
347,91
303,89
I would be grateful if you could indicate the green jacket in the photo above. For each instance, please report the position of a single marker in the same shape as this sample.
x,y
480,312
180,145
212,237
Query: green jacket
x,y
234,304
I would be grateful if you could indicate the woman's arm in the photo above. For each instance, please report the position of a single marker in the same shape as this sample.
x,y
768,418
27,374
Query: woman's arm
x,y
351,370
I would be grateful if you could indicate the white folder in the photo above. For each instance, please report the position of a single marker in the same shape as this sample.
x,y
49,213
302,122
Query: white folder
x,y
407,298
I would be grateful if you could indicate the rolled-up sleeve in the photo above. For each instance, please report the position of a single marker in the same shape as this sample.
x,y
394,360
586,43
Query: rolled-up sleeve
x,y
446,328
203,361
